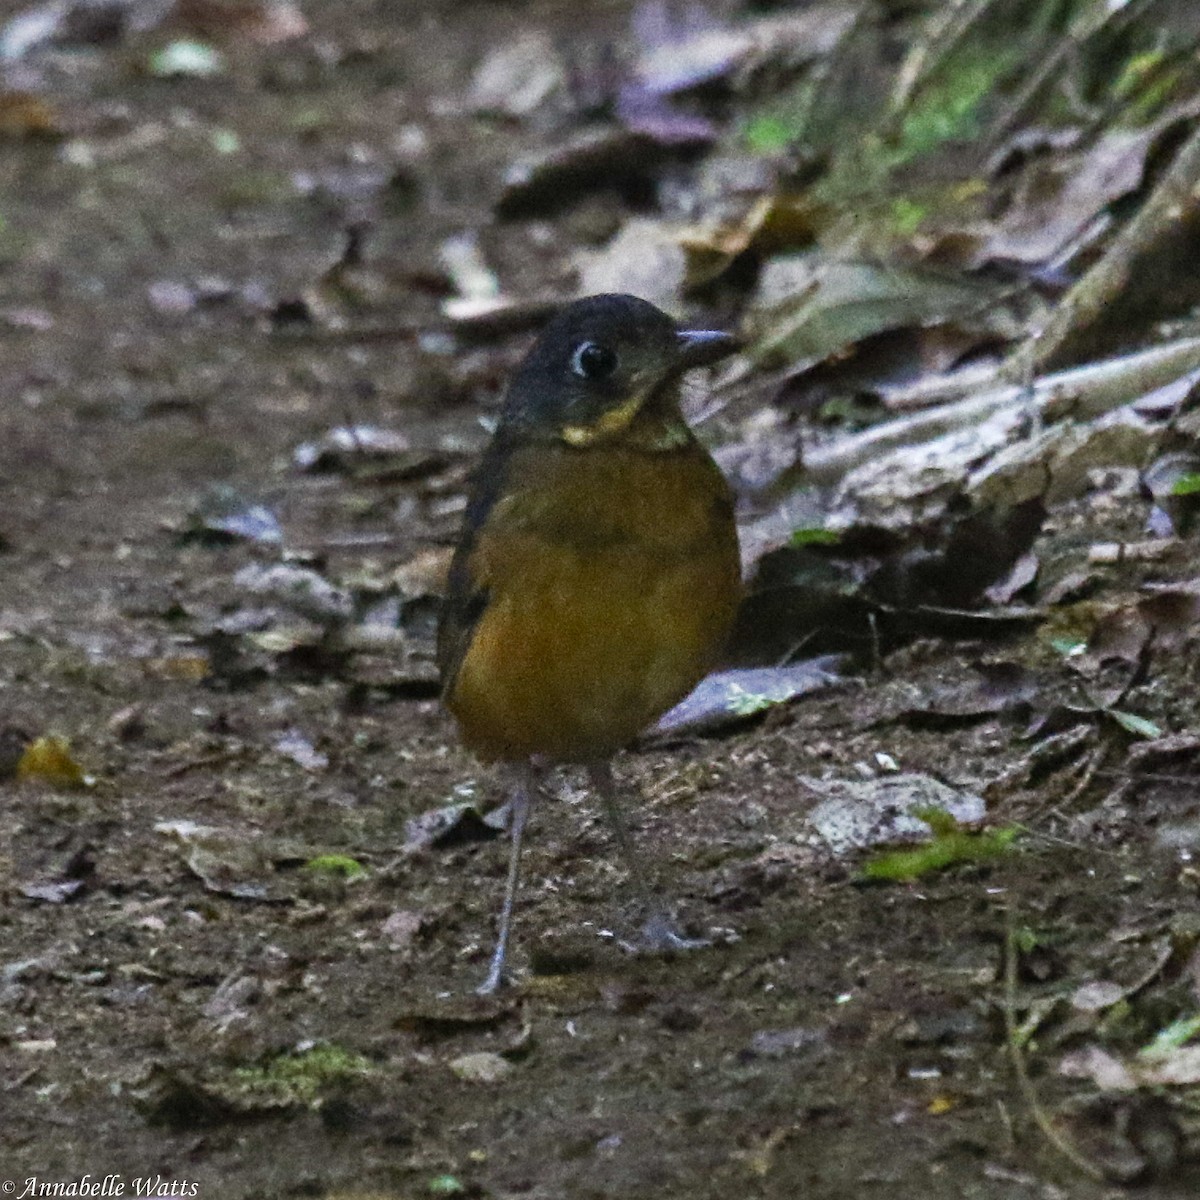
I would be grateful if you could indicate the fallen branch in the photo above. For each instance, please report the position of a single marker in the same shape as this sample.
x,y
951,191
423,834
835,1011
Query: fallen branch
x,y
1103,291
1082,392
1152,550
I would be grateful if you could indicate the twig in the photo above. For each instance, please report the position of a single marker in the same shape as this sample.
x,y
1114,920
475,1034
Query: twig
x,y
1092,20
932,390
1092,764
1016,1054
217,759
1151,550
947,28
1182,780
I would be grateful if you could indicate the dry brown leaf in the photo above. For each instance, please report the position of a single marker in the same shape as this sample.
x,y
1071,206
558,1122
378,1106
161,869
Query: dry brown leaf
x,y
49,760
24,115
772,225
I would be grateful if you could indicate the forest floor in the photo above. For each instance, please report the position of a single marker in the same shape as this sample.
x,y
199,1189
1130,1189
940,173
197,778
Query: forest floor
x,y
227,960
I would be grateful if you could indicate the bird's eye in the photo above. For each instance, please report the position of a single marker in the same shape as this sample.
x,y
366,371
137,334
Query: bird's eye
x,y
593,361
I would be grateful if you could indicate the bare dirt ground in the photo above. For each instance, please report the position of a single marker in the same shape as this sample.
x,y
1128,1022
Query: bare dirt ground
x,y
308,1035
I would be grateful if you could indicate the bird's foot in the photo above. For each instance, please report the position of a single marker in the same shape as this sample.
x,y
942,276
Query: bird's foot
x,y
660,936
491,985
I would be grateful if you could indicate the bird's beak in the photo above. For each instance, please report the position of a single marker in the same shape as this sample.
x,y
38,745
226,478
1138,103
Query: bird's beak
x,y
703,347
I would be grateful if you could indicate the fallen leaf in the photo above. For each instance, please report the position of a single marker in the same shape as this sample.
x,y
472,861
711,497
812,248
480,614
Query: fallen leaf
x,y
1058,195
301,590
1097,1064
607,157
171,296
186,58
24,115
1060,462
677,59
449,826
1176,1067
49,760
497,316
1139,726
858,814
1097,995
1002,687
294,744
481,1067
53,892
401,928
367,451
222,515
646,112
731,698
834,304
772,224
463,261
228,1003
230,862
519,76
783,1043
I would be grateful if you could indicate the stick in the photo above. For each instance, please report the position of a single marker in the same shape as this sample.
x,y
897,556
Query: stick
x,y
1085,392
1015,1053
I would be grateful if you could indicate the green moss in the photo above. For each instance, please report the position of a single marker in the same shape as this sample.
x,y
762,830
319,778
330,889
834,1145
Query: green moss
x,y
1138,68
298,1078
947,110
1027,940
782,122
907,215
815,537
768,134
336,864
951,846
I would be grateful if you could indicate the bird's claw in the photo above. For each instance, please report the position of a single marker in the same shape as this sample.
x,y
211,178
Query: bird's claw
x,y
490,986
659,936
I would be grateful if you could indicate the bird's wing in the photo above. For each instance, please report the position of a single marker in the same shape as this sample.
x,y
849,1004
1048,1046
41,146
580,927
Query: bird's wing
x,y
465,602
468,583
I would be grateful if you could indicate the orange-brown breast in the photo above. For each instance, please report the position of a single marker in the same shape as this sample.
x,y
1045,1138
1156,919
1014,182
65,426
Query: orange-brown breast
x,y
612,578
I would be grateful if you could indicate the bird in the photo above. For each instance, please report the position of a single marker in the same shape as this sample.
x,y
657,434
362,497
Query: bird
x,y
597,574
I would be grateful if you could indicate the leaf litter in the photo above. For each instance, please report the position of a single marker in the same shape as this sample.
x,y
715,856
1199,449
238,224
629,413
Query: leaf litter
x,y
932,242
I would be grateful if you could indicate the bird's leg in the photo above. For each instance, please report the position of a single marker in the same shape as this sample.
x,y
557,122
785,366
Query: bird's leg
x,y
519,804
659,931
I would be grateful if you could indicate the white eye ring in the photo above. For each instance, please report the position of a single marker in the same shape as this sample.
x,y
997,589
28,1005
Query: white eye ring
x,y
593,361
